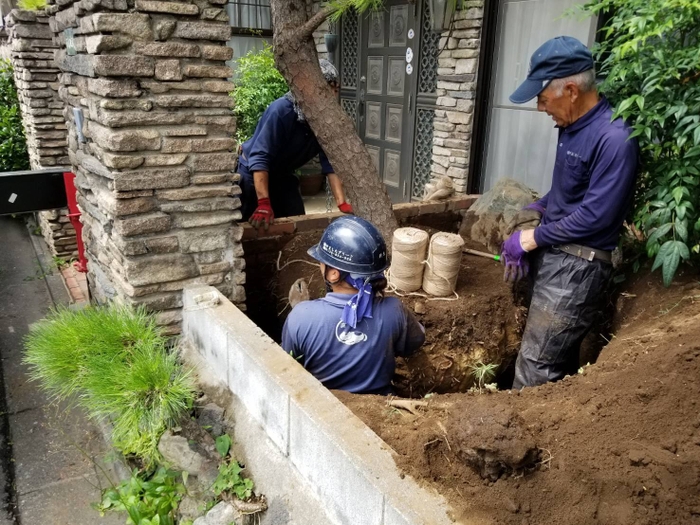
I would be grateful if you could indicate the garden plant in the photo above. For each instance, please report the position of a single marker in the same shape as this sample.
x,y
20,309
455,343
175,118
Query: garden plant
x,y
13,145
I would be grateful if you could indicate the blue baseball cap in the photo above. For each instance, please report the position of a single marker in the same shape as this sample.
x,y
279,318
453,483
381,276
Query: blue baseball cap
x,y
559,57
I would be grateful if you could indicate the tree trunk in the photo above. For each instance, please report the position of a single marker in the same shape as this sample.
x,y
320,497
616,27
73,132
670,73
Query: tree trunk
x,y
296,58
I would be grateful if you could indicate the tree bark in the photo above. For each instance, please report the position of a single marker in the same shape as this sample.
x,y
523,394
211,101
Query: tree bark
x,y
296,59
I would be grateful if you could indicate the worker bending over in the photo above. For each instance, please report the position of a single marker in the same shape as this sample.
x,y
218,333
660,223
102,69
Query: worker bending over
x,y
581,216
282,143
349,339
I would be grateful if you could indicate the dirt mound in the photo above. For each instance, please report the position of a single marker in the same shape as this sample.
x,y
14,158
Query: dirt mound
x,y
619,442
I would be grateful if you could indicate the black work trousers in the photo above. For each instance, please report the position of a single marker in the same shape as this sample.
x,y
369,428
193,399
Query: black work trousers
x,y
567,295
285,197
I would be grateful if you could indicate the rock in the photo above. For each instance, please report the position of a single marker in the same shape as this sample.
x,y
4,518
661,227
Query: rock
x,y
163,29
202,241
126,140
168,70
419,307
486,221
190,508
214,14
217,52
222,514
638,458
207,71
158,269
168,49
298,292
194,101
214,162
124,66
175,8
511,505
134,24
142,224
204,145
177,452
211,418
113,88
202,31
98,43
153,178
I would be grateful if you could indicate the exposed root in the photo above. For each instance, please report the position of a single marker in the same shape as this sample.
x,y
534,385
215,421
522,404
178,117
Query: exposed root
x,y
280,268
409,405
250,507
546,462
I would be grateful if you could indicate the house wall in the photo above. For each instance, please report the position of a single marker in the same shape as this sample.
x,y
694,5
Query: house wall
x,y
154,164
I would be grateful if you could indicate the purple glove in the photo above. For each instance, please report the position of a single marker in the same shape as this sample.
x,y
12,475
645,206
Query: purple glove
x,y
514,258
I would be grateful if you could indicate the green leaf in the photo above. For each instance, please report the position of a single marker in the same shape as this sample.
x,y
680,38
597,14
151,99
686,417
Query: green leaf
x,y
671,261
223,445
659,232
681,227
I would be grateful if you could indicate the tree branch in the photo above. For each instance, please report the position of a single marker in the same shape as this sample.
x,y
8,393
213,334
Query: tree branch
x,y
312,24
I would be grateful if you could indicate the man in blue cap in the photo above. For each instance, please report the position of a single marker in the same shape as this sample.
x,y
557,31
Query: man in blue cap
x,y
282,143
567,249
349,339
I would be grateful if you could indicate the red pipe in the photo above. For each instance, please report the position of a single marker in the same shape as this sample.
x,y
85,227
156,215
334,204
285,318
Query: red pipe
x,y
74,216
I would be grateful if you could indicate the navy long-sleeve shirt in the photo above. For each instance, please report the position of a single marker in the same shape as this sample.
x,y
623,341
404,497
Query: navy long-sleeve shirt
x,y
281,144
593,182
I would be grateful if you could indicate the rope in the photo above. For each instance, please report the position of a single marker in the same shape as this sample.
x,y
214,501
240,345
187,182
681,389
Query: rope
x,y
408,253
443,263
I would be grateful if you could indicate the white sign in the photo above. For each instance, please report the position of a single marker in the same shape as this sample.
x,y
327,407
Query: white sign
x,y
12,198
409,55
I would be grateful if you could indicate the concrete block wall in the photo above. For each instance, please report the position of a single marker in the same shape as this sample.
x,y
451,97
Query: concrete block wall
x,y
154,156
456,90
339,459
36,76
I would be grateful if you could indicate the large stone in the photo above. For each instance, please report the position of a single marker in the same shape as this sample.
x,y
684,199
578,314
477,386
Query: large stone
x,y
168,49
194,101
201,205
207,71
204,145
165,160
95,44
465,66
113,88
125,140
211,418
214,13
168,70
143,105
124,66
118,119
142,224
121,162
199,220
175,8
214,162
154,178
222,514
81,64
202,31
163,29
195,192
35,31
217,86
202,240
134,24
217,53
158,269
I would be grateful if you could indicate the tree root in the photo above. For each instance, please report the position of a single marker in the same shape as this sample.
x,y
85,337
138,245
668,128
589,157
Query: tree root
x,y
408,405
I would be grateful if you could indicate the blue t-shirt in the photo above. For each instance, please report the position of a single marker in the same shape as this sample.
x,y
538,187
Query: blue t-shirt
x,y
281,144
360,360
593,182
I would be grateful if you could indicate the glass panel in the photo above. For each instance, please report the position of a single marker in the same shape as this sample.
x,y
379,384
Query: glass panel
x,y
373,122
376,29
392,168
399,25
394,116
397,74
249,14
375,75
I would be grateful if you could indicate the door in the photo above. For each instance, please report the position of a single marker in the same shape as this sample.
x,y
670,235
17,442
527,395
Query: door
x,y
382,94
521,142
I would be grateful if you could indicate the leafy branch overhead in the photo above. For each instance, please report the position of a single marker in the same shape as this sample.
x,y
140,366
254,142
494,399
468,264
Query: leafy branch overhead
x,y
650,59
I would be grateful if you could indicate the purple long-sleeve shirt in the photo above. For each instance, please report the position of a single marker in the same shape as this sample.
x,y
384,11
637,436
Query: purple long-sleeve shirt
x,y
593,182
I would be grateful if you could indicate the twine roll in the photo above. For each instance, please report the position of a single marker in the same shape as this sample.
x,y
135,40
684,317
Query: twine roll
x,y
442,266
408,254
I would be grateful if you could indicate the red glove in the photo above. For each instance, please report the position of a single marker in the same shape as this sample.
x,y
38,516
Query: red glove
x,y
346,207
263,215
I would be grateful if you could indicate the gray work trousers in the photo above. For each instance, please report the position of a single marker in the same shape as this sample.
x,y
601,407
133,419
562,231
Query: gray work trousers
x,y
567,295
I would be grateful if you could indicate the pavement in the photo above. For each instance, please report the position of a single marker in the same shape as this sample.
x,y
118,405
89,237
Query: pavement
x,y
53,461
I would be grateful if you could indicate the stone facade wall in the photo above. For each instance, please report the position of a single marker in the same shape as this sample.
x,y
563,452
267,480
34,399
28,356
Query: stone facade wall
x,y
36,77
154,165
456,89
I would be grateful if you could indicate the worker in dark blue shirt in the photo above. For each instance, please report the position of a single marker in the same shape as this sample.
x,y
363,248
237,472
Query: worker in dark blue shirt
x,y
349,339
282,143
581,216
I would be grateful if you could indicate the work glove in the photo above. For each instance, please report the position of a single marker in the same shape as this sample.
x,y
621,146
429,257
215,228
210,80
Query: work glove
x,y
346,207
515,259
526,219
263,215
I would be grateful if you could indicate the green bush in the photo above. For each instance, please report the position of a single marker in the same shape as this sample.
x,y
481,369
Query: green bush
x,y
650,58
258,85
13,145
114,362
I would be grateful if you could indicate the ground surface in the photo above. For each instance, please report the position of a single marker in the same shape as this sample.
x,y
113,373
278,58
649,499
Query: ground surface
x,y
49,471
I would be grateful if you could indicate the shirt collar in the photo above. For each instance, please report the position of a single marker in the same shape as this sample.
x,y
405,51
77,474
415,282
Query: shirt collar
x,y
589,117
337,299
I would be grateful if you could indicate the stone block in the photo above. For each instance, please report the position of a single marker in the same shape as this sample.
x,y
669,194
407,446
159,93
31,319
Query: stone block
x,y
465,105
95,44
124,66
123,207
216,14
456,117
168,70
201,205
118,119
207,71
195,192
134,24
121,105
465,53
175,8
142,224
214,162
217,53
126,140
199,220
203,241
156,269
194,101
32,31
162,245
168,49
164,160
185,131
217,86
81,64
121,161
153,178
466,33
202,31
222,123
203,145
163,29
465,66
469,44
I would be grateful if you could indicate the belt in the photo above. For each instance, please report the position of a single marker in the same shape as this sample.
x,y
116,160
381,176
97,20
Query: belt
x,y
586,252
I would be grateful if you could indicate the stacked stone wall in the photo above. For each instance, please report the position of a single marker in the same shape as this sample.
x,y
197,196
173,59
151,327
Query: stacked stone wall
x,y
154,164
36,77
456,90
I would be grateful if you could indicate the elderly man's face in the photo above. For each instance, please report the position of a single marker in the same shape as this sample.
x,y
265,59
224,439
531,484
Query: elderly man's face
x,y
559,106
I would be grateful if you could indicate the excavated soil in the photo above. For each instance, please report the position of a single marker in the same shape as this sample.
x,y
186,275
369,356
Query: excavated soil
x,y
619,443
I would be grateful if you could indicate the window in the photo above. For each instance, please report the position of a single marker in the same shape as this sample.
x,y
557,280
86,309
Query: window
x,y
251,25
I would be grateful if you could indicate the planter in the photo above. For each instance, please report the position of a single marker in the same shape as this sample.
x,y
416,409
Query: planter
x,y
311,184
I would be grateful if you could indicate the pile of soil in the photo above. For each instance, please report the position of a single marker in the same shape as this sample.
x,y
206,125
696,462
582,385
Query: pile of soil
x,y
619,443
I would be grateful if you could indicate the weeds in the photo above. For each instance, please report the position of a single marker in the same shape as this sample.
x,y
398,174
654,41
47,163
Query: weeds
x,y
229,478
483,373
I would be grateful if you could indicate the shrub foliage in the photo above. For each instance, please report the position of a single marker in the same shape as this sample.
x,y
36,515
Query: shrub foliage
x,y
13,145
650,58
114,362
258,85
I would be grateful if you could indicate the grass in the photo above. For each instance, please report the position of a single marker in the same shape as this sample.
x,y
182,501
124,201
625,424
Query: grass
x,y
114,362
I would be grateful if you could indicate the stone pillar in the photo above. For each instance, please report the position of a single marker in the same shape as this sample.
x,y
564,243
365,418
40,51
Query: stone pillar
x,y
154,155
456,89
36,77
